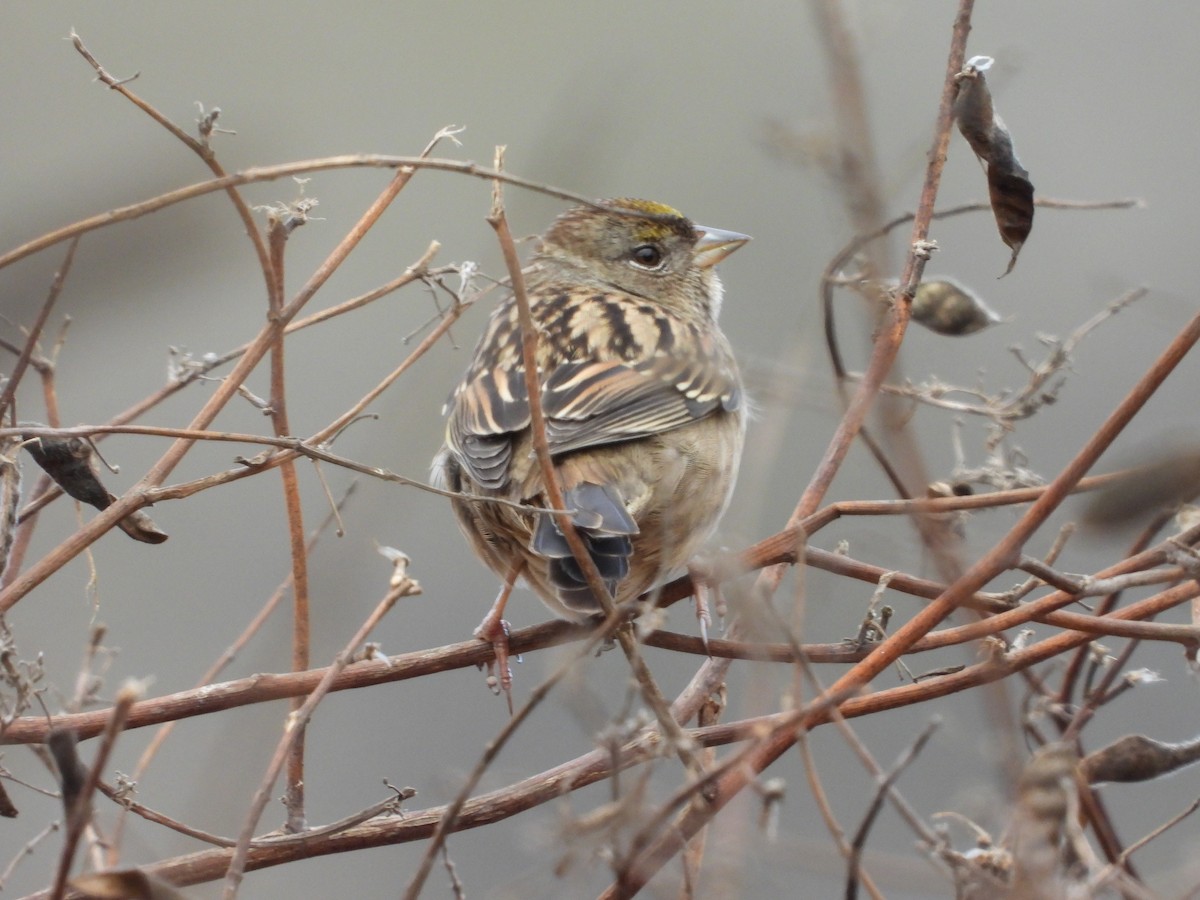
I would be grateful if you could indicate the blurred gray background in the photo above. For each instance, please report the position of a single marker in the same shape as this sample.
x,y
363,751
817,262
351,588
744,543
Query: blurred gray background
x,y
667,101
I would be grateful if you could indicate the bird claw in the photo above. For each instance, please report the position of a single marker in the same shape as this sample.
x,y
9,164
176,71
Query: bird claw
x,y
702,586
703,617
495,630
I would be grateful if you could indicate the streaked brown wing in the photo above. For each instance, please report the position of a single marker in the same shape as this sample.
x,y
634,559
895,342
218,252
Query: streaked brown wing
x,y
487,411
593,403
627,389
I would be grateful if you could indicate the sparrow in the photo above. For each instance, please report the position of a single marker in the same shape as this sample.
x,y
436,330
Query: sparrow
x,y
644,410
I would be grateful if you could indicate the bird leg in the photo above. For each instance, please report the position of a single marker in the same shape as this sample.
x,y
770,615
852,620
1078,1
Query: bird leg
x,y
705,583
494,630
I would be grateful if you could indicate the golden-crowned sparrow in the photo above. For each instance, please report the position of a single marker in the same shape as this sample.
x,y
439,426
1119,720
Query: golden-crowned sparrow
x,y
643,406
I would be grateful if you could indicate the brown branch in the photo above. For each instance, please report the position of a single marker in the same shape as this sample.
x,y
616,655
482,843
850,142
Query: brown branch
x,y
280,228
201,149
9,392
135,497
401,586
258,174
230,653
80,813
887,346
595,766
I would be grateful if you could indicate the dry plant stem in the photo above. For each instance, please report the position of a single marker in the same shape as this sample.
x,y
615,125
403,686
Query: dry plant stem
x,y
537,419
1111,871
295,446
260,618
858,177
896,450
418,271
81,809
1070,677
301,618
685,796
202,150
595,766
1091,801
821,798
858,171
296,724
274,173
27,851
263,688
267,687
46,369
780,547
390,805
884,787
887,346
449,818
133,499
8,394
693,858
831,276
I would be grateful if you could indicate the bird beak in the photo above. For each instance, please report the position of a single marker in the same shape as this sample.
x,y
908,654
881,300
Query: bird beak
x,y
714,245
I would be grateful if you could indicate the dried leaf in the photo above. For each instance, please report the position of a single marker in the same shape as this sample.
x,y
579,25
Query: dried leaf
x,y
949,308
139,526
1009,188
1136,757
71,463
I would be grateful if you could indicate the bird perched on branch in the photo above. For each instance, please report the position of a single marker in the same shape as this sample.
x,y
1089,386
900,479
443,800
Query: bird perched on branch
x,y
644,414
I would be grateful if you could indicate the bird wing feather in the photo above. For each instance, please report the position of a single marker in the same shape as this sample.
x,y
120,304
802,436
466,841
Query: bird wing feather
x,y
592,402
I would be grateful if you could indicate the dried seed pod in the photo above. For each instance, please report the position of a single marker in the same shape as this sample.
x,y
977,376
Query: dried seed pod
x,y
1009,188
946,307
1136,757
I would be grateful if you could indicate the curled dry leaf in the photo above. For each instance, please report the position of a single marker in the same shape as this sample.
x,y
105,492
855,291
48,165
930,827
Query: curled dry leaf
x,y
71,463
1136,757
1009,188
947,307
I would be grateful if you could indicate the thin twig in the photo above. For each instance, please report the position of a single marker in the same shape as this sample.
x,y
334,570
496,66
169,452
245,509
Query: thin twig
x,y
882,789
9,392
80,813
297,721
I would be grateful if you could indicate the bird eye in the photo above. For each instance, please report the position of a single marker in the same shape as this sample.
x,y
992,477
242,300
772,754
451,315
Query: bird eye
x,y
647,256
